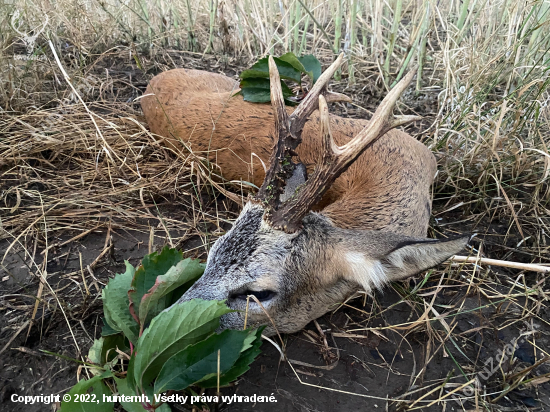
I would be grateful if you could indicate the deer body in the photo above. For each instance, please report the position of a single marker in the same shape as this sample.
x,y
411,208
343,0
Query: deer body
x,y
388,186
366,230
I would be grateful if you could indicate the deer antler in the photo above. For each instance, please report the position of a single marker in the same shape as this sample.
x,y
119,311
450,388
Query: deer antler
x,y
25,37
14,17
37,33
288,131
334,160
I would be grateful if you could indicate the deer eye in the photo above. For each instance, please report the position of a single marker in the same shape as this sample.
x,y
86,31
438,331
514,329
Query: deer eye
x,y
261,295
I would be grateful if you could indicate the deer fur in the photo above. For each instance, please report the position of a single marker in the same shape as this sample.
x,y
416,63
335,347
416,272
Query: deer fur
x,y
367,230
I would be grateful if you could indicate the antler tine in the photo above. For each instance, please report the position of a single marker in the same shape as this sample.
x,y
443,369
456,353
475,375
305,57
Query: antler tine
x,y
38,32
285,144
277,100
288,131
335,160
311,101
45,24
13,18
329,147
382,121
333,97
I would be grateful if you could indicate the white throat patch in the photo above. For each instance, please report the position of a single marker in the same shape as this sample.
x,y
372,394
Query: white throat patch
x,y
367,273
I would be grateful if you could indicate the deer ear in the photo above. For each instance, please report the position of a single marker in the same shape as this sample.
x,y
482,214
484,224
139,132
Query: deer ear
x,y
412,257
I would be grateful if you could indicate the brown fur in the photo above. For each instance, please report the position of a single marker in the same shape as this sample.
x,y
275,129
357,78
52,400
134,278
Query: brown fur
x,y
301,275
388,186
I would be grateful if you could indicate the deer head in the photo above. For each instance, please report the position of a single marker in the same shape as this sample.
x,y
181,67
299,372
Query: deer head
x,y
297,264
28,39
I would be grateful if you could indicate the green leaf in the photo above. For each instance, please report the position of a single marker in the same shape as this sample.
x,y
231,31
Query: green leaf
x,y
256,95
171,331
116,304
311,65
252,338
130,370
258,91
104,350
100,389
152,265
249,351
94,354
255,81
296,63
124,388
96,399
159,296
107,330
264,85
110,345
261,69
200,361
242,364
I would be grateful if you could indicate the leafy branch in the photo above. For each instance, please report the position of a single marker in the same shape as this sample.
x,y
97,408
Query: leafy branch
x,y
149,345
255,81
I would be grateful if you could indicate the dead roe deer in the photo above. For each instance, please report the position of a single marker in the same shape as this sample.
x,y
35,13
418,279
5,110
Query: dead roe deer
x,y
368,184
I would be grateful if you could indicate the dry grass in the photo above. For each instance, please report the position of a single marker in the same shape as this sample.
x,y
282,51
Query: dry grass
x,y
76,157
72,166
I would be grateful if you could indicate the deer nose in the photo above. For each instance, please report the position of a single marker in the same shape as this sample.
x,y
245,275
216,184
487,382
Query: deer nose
x,y
203,291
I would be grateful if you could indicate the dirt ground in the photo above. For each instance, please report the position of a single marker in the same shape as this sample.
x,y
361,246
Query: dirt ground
x,y
339,365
